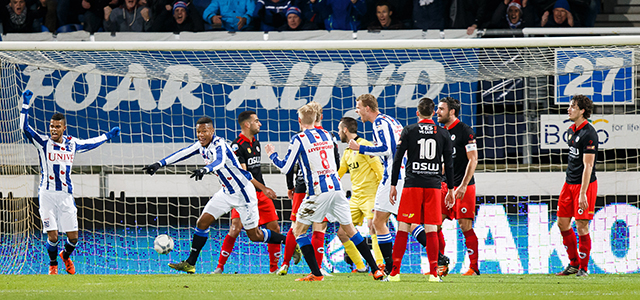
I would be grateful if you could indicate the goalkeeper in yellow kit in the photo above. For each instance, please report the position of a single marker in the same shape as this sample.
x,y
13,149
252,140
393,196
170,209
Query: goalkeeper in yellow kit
x,y
366,173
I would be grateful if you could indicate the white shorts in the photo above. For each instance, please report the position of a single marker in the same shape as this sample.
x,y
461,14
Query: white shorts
x,y
332,204
58,211
382,197
244,201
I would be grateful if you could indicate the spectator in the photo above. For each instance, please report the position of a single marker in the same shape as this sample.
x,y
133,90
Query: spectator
x,y
94,13
468,14
17,18
296,22
308,14
562,16
129,17
384,18
340,14
68,11
429,14
160,14
270,14
232,15
184,18
513,14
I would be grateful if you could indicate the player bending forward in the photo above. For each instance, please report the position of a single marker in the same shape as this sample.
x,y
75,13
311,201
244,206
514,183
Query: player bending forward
x,y
237,191
325,197
578,195
57,207
426,144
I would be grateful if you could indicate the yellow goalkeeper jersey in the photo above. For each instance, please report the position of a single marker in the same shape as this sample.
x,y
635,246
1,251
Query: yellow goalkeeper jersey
x,y
366,171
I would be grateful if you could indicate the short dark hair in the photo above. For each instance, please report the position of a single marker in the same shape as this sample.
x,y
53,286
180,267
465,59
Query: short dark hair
x,y
425,107
350,123
453,103
59,117
245,115
385,3
583,102
205,120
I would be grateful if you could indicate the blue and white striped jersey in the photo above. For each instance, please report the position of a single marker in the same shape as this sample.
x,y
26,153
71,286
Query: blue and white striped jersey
x,y
314,148
56,159
386,134
220,160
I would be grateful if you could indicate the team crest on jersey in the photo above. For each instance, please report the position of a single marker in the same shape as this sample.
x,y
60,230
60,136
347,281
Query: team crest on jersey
x,y
46,223
453,137
234,147
249,150
577,138
257,149
570,135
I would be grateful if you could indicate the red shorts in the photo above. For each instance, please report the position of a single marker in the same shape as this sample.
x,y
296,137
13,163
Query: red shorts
x,y
569,199
266,209
420,206
295,204
449,213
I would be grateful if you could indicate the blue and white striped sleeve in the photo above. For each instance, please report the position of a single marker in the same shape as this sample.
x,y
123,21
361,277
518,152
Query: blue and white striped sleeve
x,y
88,144
31,135
383,147
286,165
219,157
180,155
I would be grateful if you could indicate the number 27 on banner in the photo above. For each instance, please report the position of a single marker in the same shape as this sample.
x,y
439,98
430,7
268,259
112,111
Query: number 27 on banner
x,y
607,76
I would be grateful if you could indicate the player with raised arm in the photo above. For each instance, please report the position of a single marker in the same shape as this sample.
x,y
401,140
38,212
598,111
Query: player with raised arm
x,y
237,191
578,196
366,173
297,195
465,160
57,207
426,145
247,149
315,148
386,135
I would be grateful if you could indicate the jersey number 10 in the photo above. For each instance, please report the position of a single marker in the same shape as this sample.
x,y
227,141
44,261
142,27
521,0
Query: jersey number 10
x,y
427,148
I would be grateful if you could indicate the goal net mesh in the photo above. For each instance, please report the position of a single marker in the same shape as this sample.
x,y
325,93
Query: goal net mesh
x,y
514,98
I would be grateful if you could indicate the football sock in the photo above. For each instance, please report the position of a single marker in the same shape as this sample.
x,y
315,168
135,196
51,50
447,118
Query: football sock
x,y
571,244
274,256
432,252
225,250
363,248
352,251
386,248
317,240
199,239
309,256
272,237
418,233
376,249
52,249
471,241
68,249
399,247
585,251
289,247
441,242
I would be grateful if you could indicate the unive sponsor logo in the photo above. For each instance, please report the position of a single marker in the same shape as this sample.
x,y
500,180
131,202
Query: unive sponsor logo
x,y
60,157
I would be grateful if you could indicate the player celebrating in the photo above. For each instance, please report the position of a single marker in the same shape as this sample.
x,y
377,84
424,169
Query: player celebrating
x,y
247,149
325,198
236,192
366,173
465,160
578,195
386,135
426,144
57,207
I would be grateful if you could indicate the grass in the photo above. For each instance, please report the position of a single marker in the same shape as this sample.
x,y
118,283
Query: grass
x,y
340,286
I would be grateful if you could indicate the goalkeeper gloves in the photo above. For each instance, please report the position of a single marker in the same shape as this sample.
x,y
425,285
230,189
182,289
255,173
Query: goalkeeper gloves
x,y
151,169
198,174
115,131
26,97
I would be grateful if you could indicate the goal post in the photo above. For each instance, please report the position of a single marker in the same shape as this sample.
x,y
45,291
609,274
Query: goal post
x,y
514,94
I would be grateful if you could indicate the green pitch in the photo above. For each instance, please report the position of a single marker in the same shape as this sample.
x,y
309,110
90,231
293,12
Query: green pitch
x,y
340,286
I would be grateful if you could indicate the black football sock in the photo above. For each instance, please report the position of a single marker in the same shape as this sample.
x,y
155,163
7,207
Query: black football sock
x,y
386,248
199,239
420,236
363,248
68,249
272,237
309,254
52,249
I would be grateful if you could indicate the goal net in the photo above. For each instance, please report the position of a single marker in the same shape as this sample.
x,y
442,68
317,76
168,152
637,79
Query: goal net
x,y
514,93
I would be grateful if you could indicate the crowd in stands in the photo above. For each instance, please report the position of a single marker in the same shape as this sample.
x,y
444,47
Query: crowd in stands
x,y
25,16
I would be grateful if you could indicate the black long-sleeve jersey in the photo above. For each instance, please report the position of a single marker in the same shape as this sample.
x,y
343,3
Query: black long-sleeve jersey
x,y
463,139
426,145
581,140
248,152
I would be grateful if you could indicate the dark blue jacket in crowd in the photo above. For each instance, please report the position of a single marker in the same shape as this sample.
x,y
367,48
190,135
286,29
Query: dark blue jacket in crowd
x,y
271,15
340,14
